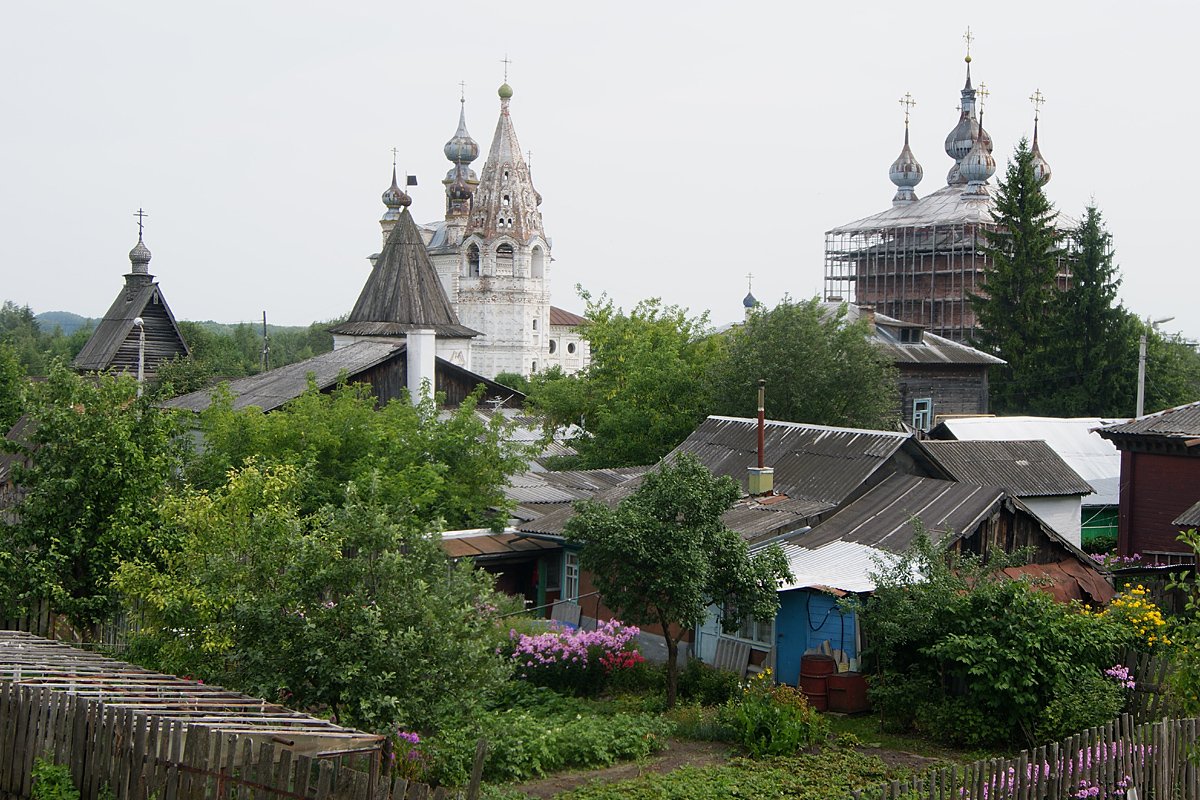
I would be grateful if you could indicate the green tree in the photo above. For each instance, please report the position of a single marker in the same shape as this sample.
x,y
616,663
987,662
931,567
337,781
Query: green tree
x,y
663,556
451,467
644,390
353,610
818,369
12,387
1014,309
1092,355
1172,371
101,458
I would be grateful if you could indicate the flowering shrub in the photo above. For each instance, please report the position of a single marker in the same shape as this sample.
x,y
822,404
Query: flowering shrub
x,y
772,720
1114,561
1122,675
407,757
1134,609
574,660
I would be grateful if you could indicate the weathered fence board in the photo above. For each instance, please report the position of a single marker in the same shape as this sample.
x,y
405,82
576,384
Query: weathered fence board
x,y
1103,762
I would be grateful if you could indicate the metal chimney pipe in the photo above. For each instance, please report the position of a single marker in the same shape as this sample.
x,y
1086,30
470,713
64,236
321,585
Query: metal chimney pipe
x,y
762,423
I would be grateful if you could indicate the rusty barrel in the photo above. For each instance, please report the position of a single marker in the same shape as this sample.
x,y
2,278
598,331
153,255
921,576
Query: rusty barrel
x,y
815,671
847,692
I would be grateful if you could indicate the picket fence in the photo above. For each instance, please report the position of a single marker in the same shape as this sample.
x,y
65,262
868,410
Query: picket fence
x,y
1158,759
115,752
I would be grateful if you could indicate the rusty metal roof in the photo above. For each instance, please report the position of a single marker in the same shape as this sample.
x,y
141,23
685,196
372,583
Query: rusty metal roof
x,y
486,545
1181,422
1026,469
810,461
559,316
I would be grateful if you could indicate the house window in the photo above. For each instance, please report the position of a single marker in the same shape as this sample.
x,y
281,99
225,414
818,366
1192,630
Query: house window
x,y
533,368
553,567
922,418
571,348
473,261
756,631
535,324
570,576
553,345
504,259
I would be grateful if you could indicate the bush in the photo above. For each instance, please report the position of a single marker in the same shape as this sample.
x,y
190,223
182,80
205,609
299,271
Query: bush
x,y
706,685
52,781
772,720
701,723
574,661
1090,699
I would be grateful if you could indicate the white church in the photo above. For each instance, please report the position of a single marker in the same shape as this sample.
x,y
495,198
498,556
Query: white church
x,y
493,259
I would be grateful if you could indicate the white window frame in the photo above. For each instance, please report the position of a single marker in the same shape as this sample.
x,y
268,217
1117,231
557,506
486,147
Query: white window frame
x,y
922,413
570,581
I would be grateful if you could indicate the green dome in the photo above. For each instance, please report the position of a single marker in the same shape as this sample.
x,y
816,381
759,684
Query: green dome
x,y
505,91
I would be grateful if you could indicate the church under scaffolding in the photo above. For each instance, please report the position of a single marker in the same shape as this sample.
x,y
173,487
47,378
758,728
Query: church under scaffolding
x,y
922,259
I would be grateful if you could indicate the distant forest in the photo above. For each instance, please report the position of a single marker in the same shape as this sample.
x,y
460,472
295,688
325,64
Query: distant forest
x,y
219,350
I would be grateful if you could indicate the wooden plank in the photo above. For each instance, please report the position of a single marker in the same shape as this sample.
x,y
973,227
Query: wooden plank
x,y
481,748
25,740
325,781
399,788
8,734
283,769
304,766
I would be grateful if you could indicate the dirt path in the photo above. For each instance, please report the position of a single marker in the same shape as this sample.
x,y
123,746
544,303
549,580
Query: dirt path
x,y
679,753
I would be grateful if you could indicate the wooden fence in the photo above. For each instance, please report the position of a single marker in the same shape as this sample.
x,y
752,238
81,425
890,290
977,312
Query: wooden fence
x,y
115,752
113,634
1148,700
1158,759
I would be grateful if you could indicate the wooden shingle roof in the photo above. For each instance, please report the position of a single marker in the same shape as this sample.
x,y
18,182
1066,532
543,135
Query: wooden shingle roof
x,y
113,345
403,292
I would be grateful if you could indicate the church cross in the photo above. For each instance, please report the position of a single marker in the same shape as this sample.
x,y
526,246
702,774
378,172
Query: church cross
x,y
968,37
506,62
141,215
1037,98
983,95
394,153
908,103
749,281
462,91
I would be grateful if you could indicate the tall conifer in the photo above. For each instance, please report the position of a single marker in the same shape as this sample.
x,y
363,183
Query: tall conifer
x,y
1014,308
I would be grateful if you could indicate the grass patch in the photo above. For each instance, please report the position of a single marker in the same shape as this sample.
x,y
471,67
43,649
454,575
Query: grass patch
x,y
866,730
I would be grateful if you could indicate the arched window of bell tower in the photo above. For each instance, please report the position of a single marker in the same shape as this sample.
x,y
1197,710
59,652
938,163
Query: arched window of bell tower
x,y
473,261
504,259
537,263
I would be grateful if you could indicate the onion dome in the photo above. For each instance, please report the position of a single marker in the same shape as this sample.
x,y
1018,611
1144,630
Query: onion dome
x,y
960,140
906,173
139,257
1041,170
749,301
505,91
395,198
977,166
462,149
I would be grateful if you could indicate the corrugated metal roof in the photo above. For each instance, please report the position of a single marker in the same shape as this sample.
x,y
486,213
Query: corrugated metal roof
x,y
1092,457
1027,469
1181,422
884,517
482,545
931,349
270,390
810,461
837,565
1189,518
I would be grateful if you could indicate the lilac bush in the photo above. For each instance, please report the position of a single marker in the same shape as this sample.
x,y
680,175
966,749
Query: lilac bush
x,y
574,661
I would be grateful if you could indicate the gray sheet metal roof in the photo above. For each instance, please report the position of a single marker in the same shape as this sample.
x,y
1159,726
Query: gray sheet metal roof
x,y
946,206
1189,518
1181,422
403,291
931,349
884,517
270,390
810,461
533,488
1026,469
1092,457
98,353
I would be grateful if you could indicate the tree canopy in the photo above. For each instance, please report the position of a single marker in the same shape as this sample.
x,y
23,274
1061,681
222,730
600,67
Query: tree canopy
x,y
12,387
1014,311
101,459
644,390
818,368
663,556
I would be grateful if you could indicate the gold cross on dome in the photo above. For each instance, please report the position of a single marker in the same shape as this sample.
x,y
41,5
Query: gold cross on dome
x,y
908,102
141,215
968,37
1037,98
983,95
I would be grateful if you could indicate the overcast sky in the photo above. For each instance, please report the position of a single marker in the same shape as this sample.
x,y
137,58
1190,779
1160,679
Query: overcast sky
x,y
677,146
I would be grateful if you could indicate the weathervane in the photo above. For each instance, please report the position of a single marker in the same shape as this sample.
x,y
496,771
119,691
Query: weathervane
x,y
141,215
908,102
1037,98
506,62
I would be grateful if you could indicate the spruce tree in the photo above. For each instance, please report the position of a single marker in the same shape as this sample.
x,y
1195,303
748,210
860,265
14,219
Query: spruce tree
x,y
1092,359
1014,309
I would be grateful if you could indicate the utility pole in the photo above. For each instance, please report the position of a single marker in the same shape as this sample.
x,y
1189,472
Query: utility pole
x,y
266,351
140,324
1141,392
